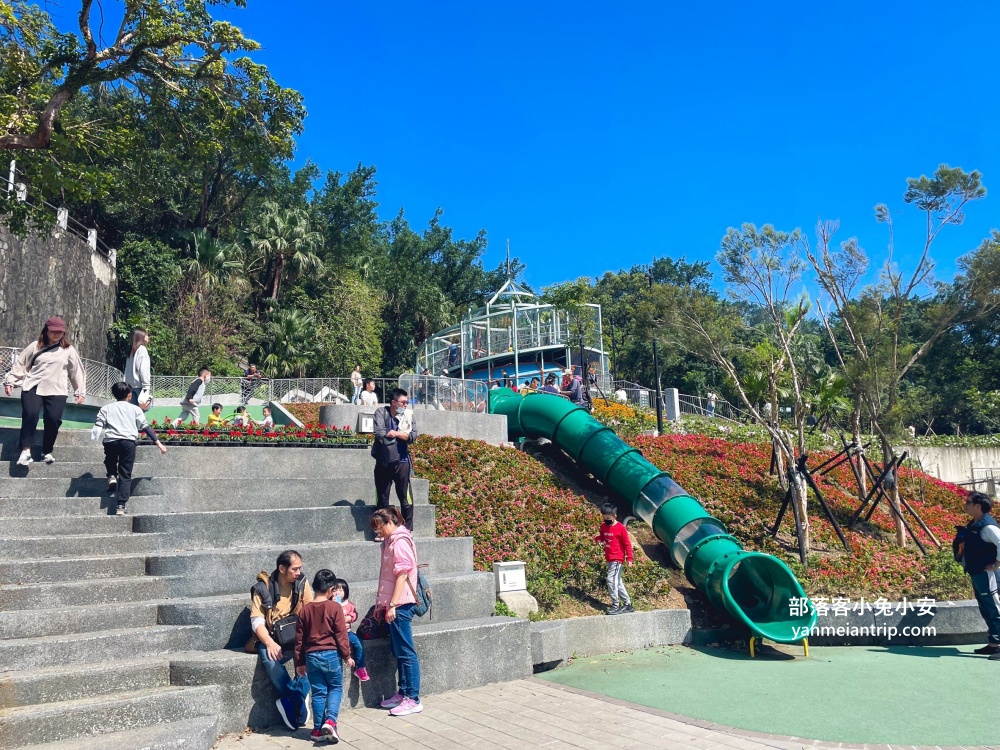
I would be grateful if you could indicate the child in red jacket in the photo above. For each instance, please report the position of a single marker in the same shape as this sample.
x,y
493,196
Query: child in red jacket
x,y
617,549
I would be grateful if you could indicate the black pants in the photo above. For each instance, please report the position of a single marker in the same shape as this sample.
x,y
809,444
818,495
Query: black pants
x,y
399,475
119,456
51,408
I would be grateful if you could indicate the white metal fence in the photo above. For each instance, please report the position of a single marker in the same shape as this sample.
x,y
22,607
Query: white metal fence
x,y
100,376
702,407
425,392
448,394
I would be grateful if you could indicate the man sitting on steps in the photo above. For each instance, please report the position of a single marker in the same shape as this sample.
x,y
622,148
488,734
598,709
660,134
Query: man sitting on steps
x,y
275,601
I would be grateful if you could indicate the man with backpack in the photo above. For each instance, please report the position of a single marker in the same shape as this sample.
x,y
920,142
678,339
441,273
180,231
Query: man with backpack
x,y
395,429
275,602
978,548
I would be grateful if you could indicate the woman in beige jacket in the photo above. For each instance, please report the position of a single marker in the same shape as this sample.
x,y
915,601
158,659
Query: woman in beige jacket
x,y
41,371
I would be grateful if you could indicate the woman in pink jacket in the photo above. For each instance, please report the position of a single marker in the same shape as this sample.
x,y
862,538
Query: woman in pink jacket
x,y
397,585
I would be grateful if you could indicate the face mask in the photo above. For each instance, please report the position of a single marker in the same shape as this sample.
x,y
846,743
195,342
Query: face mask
x,y
400,411
338,598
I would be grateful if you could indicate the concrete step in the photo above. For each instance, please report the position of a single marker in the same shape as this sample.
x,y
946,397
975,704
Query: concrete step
x,y
57,506
69,569
91,618
10,439
225,619
66,683
98,591
87,717
291,526
209,463
34,548
86,648
229,571
175,494
453,656
38,526
191,734
91,483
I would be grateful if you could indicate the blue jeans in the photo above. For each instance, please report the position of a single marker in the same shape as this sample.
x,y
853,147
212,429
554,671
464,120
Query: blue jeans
x,y
357,394
294,690
327,680
401,643
984,585
357,650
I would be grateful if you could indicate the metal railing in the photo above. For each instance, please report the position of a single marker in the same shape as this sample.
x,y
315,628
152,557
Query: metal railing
x,y
64,221
447,394
721,409
281,390
635,394
100,376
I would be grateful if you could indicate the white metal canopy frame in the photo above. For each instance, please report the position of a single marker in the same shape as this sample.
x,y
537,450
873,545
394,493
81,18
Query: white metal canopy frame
x,y
517,334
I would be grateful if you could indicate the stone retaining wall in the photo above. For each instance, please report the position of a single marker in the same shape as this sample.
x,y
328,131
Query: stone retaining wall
x,y
42,275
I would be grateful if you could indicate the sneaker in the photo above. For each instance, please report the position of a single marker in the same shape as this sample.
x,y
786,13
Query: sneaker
x,y
49,458
626,609
392,702
317,735
407,707
362,674
330,732
120,510
25,458
112,485
287,711
989,649
614,609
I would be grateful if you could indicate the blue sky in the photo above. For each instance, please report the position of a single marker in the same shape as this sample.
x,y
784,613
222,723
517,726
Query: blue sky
x,y
596,136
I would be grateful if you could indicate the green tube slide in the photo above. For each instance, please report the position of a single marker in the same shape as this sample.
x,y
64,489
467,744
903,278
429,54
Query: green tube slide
x,y
753,587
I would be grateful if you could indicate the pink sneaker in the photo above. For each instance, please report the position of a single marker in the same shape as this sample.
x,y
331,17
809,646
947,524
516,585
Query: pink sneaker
x,y
407,707
362,674
393,701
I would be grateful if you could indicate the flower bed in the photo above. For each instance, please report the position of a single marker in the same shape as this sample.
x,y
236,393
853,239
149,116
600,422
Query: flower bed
x,y
287,436
515,509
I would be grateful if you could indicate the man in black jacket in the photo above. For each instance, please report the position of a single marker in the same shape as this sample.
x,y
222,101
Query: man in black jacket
x,y
395,429
981,559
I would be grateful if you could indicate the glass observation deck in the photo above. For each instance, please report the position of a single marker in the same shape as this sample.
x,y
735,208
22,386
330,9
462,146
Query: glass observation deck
x,y
516,336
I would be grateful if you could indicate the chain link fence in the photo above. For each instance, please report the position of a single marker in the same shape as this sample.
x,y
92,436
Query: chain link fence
x,y
100,376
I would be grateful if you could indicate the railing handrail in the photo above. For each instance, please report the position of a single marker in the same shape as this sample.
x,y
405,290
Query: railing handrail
x,y
100,376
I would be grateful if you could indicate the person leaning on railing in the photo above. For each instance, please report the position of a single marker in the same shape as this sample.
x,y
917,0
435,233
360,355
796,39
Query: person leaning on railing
x,y
41,371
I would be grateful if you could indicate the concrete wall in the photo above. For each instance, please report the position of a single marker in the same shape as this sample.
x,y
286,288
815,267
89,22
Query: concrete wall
x,y
953,464
491,428
55,274
555,641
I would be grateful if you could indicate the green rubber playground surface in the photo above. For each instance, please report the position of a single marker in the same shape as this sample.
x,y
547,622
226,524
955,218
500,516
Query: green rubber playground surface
x,y
159,413
66,425
859,695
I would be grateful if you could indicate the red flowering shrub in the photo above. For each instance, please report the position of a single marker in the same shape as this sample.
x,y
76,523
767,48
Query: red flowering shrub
x,y
515,509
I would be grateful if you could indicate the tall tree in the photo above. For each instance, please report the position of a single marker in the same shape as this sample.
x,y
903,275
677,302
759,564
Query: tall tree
x,y
762,269
283,244
878,354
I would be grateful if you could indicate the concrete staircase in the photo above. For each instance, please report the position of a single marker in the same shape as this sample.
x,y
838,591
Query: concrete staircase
x,y
128,632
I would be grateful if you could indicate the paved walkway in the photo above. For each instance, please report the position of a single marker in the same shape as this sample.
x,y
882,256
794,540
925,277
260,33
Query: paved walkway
x,y
525,714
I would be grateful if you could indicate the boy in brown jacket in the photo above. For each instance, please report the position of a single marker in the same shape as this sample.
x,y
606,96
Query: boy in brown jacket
x,y
320,643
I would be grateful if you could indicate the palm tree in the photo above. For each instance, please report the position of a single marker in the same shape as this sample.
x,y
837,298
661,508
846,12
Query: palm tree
x,y
290,344
209,262
282,240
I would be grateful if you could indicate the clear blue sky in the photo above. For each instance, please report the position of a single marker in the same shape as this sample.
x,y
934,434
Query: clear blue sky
x,y
595,136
